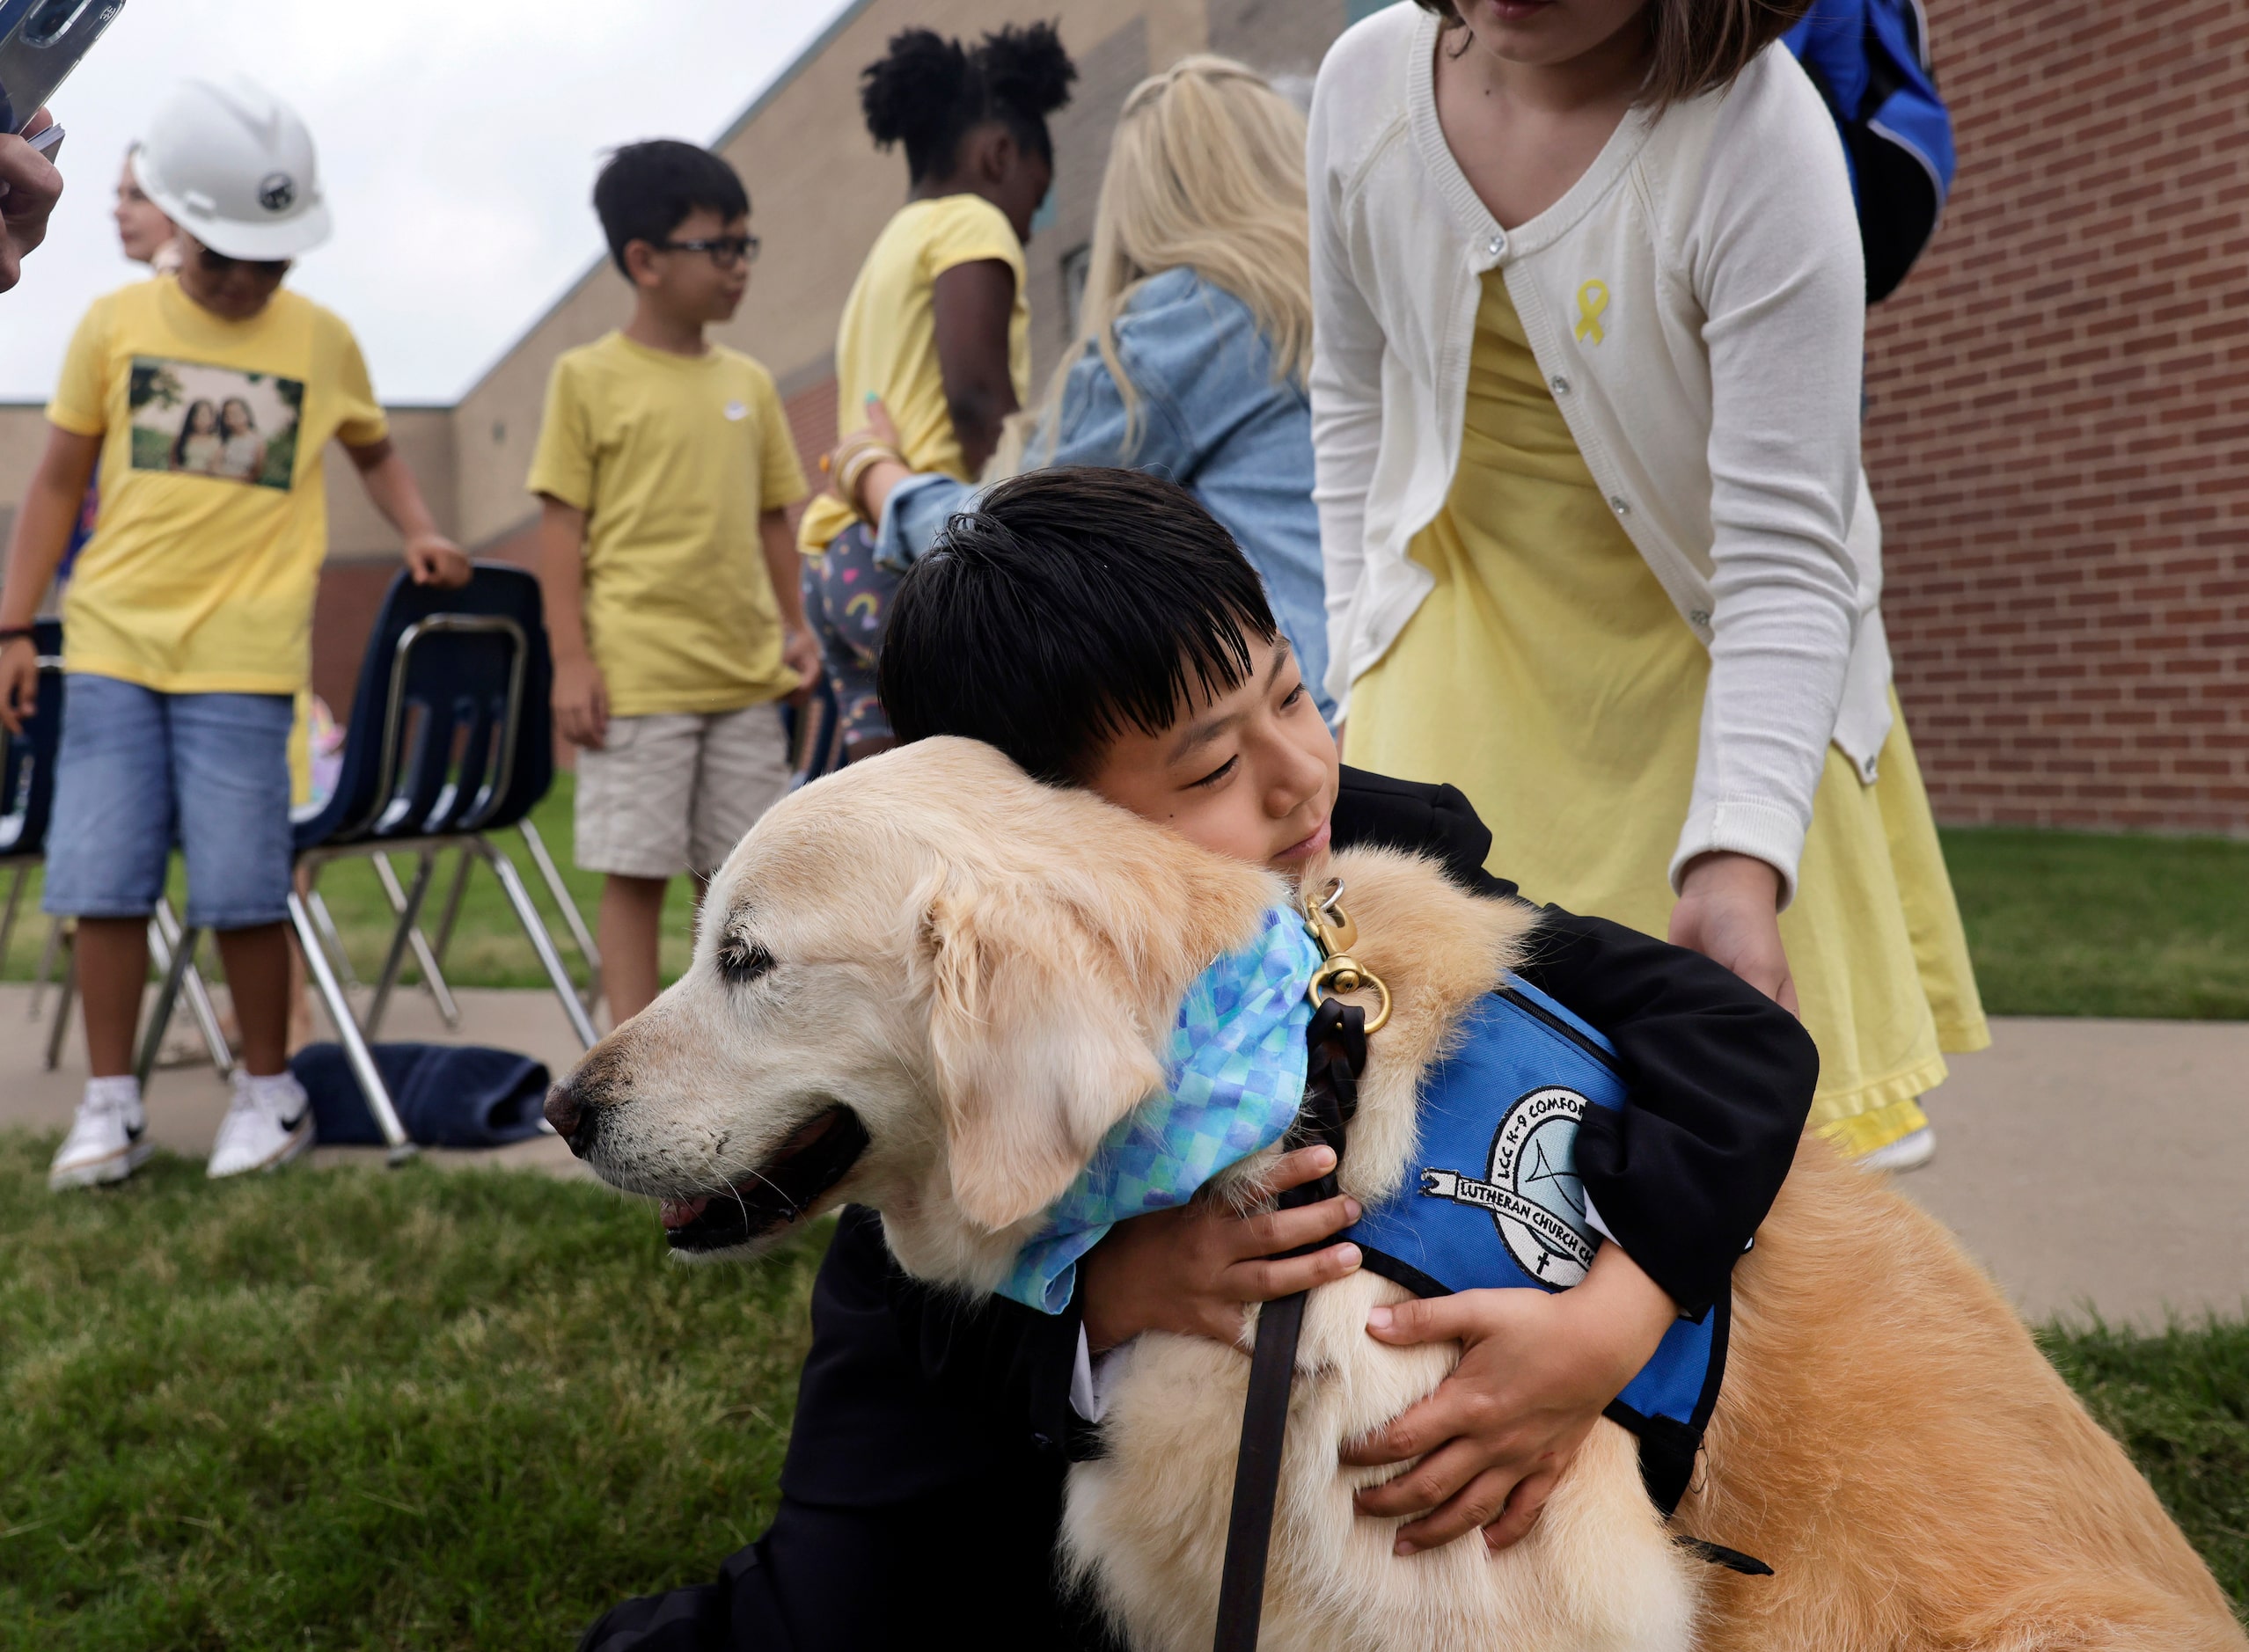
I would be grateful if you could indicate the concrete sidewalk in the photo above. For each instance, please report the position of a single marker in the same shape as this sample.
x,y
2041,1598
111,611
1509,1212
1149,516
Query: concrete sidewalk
x,y
2101,1164
185,1103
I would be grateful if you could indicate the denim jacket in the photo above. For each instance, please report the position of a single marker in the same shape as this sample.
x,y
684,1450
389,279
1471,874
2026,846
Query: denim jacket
x,y
1212,417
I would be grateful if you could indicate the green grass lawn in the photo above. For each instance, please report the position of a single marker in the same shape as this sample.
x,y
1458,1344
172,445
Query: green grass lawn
x,y
422,1409
448,1410
2061,922
2073,923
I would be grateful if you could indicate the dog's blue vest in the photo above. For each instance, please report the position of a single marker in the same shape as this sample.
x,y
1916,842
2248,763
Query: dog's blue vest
x,y
1492,1197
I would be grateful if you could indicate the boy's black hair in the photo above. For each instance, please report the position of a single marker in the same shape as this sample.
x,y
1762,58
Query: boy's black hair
x,y
648,190
1067,606
927,91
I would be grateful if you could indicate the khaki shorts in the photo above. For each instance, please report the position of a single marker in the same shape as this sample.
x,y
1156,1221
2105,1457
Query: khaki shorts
x,y
674,792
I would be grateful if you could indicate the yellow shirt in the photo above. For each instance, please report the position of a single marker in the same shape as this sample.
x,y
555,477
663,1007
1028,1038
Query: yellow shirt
x,y
213,518
887,344
673,458
1548,676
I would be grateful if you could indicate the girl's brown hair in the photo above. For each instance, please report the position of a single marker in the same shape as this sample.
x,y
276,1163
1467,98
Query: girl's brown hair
x,y
1698,46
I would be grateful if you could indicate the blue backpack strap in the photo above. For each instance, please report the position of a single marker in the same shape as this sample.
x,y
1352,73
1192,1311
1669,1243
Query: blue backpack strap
x,y
1870,61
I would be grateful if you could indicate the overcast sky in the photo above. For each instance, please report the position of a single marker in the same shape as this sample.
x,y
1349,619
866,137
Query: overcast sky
x,y
458,145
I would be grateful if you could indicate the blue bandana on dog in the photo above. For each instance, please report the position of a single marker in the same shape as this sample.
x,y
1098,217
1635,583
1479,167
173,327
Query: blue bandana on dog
x,y
1235,1068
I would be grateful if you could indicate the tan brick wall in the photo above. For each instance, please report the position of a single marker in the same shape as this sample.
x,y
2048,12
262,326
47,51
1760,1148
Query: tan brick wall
x,y
819,194
2059,430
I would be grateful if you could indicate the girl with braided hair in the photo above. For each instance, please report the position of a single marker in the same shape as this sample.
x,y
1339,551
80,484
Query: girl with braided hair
x,y
937,325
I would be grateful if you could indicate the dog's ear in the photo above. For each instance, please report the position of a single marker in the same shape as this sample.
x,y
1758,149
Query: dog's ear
x,y
1050,1010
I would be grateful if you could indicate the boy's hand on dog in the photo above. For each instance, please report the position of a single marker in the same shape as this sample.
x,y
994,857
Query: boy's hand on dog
x,y
1191,1269
1536,1371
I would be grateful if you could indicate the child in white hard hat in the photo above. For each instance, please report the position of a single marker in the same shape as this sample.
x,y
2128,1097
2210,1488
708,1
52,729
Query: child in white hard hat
x,y
188,621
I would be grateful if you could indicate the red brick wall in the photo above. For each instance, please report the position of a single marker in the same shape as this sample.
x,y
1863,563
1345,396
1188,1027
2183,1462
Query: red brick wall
x,y
812,425
2059,425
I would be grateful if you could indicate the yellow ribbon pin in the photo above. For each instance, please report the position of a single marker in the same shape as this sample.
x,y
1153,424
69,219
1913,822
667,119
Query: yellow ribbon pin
x,y
1593,298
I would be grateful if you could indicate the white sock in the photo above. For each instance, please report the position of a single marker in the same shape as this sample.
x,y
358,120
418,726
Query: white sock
x,y
273,1089
121,1094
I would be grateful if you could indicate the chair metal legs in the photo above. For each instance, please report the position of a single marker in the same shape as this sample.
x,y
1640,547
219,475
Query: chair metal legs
x,y
425,956
357,1055
47,954
409,935
166,942
63,935
333,939
8,913
181,959
452,913
580,935
543,943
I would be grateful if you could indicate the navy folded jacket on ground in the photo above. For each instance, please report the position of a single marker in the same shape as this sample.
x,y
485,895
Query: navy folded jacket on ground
x,y
447,1095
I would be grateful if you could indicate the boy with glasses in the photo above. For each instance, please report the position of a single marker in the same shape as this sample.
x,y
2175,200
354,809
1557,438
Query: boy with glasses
x,y
664,468
188,621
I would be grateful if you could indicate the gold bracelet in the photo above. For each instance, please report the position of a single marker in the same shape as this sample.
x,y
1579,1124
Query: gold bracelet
x,y
853,471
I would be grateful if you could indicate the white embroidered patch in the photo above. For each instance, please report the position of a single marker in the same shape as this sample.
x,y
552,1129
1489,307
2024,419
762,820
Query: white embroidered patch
x,y
1533,1192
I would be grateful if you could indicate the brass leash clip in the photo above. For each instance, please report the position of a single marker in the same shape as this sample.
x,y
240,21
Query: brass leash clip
x,y
1334,933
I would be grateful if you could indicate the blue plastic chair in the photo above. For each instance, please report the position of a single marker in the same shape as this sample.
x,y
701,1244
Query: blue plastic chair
x,y
450,739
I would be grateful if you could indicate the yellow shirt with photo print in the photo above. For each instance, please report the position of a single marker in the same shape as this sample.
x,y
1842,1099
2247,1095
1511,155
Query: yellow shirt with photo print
x,y
674,459
213,516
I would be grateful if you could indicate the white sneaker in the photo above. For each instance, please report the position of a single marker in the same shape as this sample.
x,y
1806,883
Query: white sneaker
x,y
269,1124
1909,1151
108,1140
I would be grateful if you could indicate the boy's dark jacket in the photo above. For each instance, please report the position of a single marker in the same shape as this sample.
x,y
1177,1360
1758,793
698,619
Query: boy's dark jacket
x,y
909,1390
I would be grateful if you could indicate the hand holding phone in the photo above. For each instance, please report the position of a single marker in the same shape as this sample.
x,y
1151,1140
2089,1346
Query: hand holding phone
x,y
29,188
40,43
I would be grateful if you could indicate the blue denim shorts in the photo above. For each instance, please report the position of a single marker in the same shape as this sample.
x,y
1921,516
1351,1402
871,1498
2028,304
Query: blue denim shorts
x,y
139,771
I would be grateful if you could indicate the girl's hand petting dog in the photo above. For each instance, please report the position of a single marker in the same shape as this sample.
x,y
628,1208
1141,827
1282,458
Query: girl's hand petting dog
x,y
1536,1371
1190,1269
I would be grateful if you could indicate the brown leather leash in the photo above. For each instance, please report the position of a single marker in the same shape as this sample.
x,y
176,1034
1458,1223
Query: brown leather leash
x,y
1337,1053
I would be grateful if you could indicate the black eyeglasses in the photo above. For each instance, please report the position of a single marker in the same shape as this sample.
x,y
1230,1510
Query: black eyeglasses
x,y
219,264
725,251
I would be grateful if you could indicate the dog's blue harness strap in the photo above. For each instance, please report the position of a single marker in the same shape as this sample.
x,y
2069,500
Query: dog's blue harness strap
x,y
1492,1198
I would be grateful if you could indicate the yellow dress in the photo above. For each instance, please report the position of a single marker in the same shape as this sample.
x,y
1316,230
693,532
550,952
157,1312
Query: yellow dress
x,y
1548,676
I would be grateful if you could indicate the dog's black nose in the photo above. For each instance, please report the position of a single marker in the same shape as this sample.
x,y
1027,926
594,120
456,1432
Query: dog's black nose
x,y
574,1123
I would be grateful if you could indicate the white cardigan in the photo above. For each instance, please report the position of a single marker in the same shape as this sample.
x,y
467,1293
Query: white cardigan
x,y
1696,303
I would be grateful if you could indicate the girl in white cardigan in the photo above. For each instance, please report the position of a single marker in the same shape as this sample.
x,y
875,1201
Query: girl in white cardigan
x,y
1589,313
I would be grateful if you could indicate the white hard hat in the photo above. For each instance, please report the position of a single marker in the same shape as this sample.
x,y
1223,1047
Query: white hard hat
x,y
233,166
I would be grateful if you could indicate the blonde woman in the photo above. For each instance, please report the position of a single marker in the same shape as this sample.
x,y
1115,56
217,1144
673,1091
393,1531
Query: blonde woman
x,y
1195,334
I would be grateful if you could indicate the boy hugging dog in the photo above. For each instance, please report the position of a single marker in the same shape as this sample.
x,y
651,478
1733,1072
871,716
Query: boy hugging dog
x,y
1100,629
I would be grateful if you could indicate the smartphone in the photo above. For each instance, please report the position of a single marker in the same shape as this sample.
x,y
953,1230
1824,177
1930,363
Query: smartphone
x,y
40,43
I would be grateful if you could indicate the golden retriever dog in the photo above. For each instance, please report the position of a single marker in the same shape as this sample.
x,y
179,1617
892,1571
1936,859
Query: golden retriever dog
x,y
929,985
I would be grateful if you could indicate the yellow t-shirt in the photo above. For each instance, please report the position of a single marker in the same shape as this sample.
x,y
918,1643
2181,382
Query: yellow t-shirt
x,y
673,458
887,344
214,517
